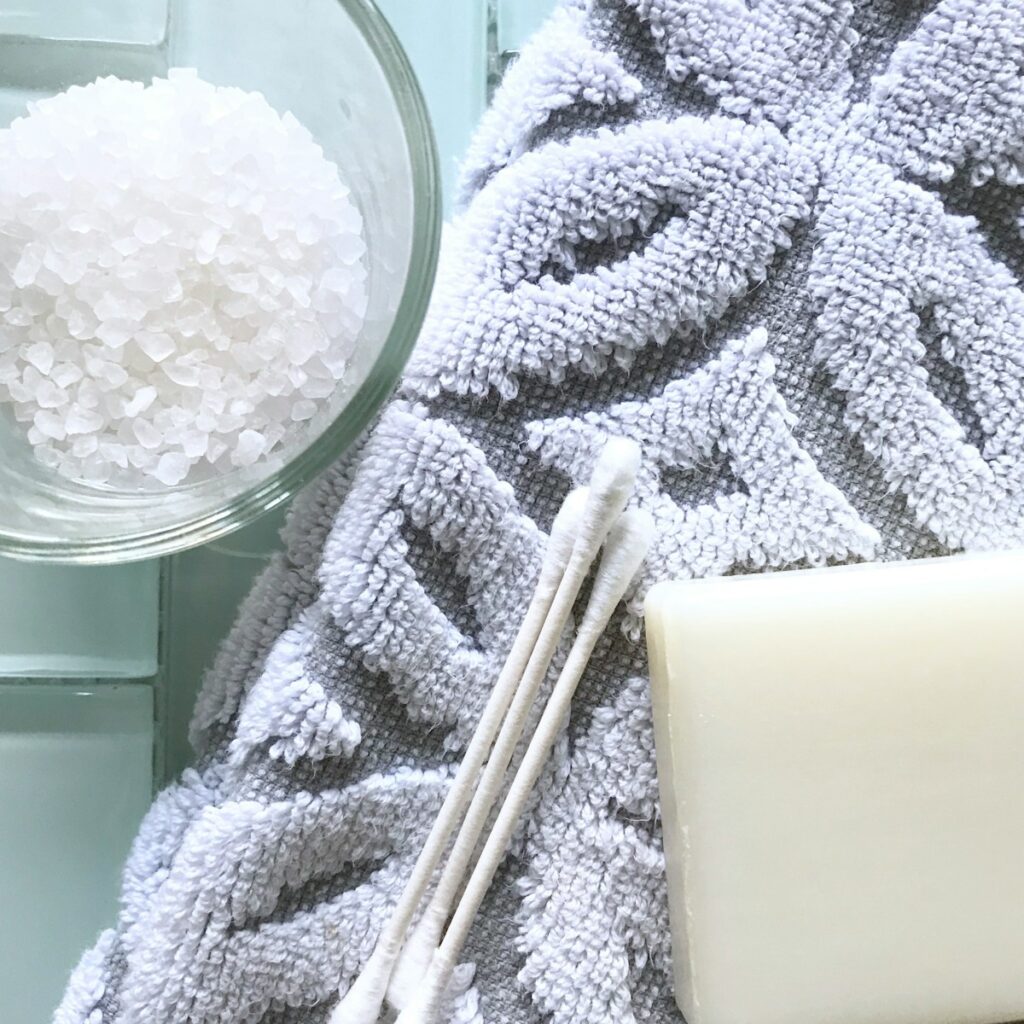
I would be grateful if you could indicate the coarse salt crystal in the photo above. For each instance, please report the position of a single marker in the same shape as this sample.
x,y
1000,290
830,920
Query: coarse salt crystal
x,y
82,421
40,355
249,449
49,396
171,468
148,436
66,374
304,409
161,249
50,424
194,443
148,230
84,445
156,345
140,401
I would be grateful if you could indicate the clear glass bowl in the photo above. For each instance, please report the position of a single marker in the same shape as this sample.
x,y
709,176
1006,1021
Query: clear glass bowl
x,y
337,66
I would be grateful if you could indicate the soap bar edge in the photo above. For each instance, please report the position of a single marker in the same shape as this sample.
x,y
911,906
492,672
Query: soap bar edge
x,y
655,605
672,686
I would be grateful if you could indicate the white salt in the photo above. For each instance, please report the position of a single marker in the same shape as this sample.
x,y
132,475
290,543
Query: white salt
x,y
185,376
156,345
114,333
148,230
194,443
83,421
40,355
250,447
172,468
147,434
50,424
84,445
304,409
216,450
182,280
49,396
140,401
66,374
116,454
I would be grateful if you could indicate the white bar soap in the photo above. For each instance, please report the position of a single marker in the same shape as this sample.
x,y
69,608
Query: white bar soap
x,y
841,763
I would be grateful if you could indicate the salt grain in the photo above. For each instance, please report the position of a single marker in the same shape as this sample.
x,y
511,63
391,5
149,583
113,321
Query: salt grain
x,y
304,409
40,355
48,395
84,445
172,468
66,374
49,424
182,280
83,421
140,401
156,345
147,434
250,447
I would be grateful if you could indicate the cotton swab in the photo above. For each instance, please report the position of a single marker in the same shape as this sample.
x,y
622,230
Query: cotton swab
x,y
625,551
362,1002
610,488
612,482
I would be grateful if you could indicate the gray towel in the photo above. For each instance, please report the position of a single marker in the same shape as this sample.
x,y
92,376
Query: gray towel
x,y
779,244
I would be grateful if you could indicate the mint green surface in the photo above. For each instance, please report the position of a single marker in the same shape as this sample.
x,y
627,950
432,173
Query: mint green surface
x,y
48,45
121,21
78,621
519,19
36,68
447,45
205,587
75,780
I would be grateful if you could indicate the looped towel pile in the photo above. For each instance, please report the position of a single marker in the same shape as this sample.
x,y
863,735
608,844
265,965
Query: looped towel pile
x,y
777,243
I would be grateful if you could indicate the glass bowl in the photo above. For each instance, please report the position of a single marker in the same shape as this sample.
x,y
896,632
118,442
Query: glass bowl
x,y
337,66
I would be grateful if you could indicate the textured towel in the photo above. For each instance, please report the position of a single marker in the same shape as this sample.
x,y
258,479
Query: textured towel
x,y
779,244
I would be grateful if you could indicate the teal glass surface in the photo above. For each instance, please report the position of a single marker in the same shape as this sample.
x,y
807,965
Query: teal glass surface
x,y
519,19
75,780
48,45
447,45
81,621
122,21
205,587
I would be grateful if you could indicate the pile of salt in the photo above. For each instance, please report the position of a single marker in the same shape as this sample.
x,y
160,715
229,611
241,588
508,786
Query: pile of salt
x,y
182,280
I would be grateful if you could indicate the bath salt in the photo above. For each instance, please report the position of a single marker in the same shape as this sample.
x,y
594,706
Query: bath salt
x,y
182,280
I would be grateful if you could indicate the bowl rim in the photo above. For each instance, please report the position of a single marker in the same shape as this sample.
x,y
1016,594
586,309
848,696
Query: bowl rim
x,y
351,421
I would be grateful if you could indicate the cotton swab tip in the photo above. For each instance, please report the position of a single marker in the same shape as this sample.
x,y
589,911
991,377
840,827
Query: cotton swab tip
x,y
415,958
568,518
564,531
362,1003
625,550
425,1005
616,468
611,485
417,1013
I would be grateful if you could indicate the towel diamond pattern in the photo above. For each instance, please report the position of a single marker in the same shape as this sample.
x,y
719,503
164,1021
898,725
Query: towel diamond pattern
x,y
779,243
597,247
784,513
422,472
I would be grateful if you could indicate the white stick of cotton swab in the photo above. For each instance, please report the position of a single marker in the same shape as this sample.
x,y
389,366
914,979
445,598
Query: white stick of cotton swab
x,y
611,485
624,554
362,1003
